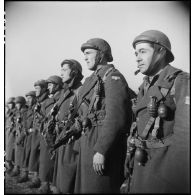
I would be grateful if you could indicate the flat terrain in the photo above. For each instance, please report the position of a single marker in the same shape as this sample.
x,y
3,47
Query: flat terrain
x,y
12,187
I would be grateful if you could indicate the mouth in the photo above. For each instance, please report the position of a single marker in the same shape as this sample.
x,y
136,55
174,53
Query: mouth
x,y
139,66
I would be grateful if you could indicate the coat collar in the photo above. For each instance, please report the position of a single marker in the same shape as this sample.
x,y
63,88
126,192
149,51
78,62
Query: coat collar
x,y
42,97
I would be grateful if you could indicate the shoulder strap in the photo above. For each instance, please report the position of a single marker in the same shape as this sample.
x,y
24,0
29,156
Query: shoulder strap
x,y
107,74
165,91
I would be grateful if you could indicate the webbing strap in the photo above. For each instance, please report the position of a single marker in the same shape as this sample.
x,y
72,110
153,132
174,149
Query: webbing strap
x,y
156,127
157,143
147,128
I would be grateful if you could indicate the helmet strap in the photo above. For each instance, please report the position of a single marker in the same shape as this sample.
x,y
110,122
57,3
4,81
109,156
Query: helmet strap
x,y
158,60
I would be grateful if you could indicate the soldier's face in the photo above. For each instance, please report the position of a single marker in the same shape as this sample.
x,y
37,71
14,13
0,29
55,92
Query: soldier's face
x,y
65,73
29,100
90,58
18,106
10,106
37,91
51,88
144,54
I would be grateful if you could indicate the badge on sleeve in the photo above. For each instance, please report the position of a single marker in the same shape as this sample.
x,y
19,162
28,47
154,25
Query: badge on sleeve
x,y
116,78
187,100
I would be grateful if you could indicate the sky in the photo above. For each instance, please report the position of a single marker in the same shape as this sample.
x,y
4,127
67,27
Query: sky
x,y
41,34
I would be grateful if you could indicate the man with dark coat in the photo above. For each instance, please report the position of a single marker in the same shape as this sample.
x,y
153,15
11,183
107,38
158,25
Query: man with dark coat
x,y
105,114
159,142
10,134
41,95
28,124
20,103
46,166
66,157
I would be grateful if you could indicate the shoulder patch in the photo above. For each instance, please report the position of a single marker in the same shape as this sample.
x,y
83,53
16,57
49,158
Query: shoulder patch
x,y
116,77
187,100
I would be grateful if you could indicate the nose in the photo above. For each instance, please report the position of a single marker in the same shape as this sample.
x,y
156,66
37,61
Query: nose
x,y
138,58
85,58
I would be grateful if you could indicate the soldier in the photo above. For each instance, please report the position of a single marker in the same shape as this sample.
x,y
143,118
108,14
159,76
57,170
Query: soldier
x,y
48,136
41,95
65,163
105,115
20,103
10,134
28,124
160,140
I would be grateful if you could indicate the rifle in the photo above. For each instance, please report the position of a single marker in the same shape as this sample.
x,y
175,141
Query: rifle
x,y
67,131
51,123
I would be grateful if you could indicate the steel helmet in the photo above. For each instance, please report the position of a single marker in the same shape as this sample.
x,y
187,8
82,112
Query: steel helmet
x,y
55,79
11,100
158,37
31,93
20,99
98,44
42,83
74,63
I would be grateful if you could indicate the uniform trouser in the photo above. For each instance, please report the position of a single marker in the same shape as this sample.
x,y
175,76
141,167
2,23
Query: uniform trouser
x,y
27,149
10,146
46,166
35,152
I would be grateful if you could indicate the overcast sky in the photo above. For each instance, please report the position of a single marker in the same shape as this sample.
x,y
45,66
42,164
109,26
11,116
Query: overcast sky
x,y
40,35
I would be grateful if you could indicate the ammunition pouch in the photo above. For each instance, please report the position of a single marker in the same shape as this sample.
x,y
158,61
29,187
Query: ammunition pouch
x,y
97,118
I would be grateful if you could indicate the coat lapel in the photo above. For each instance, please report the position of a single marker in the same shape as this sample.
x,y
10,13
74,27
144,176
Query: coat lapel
x,y
63,97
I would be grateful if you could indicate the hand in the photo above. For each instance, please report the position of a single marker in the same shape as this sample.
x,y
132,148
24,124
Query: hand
x,y
98,163
126,167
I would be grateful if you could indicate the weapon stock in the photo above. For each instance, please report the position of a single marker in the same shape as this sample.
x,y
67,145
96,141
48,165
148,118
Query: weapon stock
x,y
63,140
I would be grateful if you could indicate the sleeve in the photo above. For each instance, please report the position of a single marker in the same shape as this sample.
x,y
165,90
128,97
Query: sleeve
x,y
116,98
178,157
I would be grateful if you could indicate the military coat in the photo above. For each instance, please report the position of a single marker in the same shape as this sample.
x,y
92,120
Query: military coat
x,y
107,133
28,125
167,167
35,142
20,135
46,164
66,157
10,135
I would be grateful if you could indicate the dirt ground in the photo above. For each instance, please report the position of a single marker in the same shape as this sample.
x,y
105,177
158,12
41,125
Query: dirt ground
x,y
12,187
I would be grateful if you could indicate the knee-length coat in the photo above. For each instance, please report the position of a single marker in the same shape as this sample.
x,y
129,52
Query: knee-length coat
x,y
167,168
107,136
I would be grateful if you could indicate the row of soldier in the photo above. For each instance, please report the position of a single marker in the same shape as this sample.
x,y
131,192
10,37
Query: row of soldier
x,y
99,136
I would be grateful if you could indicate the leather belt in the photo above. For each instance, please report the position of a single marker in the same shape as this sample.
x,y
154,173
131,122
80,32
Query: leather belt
x,y
154,143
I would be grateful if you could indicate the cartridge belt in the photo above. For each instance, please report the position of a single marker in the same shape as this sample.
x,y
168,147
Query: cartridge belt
x,y
154,143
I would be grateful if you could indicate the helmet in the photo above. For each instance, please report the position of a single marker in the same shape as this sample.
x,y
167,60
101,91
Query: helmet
x,y
155,36
54,79
98,44
31,93
20,99
74,63
41,83
11,100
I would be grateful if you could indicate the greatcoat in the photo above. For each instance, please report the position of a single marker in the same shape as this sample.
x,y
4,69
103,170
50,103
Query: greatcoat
x,y
167,167
106,134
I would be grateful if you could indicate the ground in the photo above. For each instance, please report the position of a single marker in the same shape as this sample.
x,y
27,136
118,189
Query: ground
x,y
12,187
